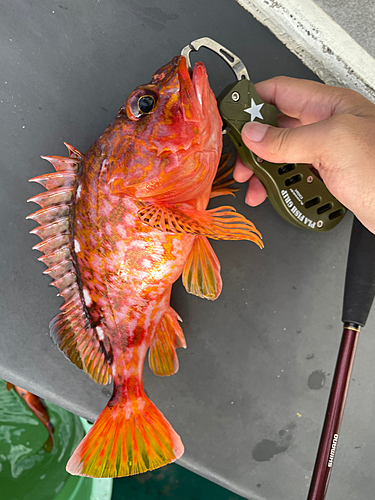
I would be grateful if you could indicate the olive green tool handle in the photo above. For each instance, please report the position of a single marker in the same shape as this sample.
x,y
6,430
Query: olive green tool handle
x,y
296,193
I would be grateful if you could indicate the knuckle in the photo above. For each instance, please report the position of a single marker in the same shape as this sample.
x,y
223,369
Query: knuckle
x,y
350,100
281,79
344,126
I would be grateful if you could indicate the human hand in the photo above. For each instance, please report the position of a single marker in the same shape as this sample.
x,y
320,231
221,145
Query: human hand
x,y
329,127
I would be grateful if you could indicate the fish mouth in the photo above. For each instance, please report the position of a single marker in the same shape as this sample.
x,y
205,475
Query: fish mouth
x,y
183,70
193,82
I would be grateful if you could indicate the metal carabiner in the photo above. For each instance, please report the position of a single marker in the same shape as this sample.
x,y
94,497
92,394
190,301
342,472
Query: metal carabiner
x,y
231,59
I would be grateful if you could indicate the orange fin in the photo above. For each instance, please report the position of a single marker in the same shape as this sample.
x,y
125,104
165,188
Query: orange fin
x,y
126,439
74,336
49,445
71,329
220,186
162,355
201,274
222,223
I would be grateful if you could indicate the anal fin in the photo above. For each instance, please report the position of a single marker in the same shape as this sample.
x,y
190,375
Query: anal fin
x,y
168,337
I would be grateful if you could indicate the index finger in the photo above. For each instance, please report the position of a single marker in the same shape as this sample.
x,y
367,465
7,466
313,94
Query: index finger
x,y
306,100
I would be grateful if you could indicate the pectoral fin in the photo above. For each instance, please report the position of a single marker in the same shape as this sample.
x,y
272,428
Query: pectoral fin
x,y
222,223
223,181
201,274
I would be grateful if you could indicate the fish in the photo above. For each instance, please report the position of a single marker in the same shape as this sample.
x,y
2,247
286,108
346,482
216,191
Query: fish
x,y
40,410
119,225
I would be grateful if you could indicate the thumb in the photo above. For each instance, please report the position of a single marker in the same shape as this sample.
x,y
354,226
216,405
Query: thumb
x,y
304,144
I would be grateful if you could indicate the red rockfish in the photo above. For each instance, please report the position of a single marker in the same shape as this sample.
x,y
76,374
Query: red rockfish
x,y
119,225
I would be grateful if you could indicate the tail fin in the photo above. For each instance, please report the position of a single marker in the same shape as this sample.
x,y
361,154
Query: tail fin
x,y
49,445
126,441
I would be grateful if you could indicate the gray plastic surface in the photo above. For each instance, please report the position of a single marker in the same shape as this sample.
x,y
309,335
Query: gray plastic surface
x,y
250,396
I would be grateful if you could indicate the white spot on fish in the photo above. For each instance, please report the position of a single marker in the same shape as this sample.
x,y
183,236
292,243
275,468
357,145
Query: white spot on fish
x,y
77,246
99,331
141,403
128,407
86,297
79,191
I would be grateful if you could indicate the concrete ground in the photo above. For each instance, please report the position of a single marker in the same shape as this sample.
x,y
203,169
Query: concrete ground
x,y
356,17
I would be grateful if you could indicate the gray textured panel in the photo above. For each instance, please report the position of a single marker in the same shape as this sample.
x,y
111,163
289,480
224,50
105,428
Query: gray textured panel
x,y
357,18
246,400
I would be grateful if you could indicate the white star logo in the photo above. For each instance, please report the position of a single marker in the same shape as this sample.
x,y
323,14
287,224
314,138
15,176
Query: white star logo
x,y
254,110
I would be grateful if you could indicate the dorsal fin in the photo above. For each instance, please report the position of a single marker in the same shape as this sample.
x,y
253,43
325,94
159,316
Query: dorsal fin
x,y
71,328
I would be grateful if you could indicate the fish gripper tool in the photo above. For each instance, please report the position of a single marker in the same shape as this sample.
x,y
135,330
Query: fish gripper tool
x,y
299,196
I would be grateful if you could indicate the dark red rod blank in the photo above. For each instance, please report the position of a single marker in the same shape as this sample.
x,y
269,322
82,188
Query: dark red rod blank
x,y
359,294
334,414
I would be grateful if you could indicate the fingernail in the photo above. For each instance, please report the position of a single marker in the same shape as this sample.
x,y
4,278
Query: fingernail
x,y
254,131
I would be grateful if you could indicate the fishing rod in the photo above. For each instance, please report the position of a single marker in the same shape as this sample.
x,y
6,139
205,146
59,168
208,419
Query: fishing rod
x,y
358,298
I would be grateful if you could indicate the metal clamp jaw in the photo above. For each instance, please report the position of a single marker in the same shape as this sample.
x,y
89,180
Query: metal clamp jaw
x,y
299,196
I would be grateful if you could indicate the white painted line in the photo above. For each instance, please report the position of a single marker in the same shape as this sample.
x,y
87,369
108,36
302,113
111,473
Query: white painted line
x,y
318,41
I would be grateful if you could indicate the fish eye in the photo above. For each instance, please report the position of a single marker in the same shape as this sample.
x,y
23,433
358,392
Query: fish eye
x,y
146,104
141,102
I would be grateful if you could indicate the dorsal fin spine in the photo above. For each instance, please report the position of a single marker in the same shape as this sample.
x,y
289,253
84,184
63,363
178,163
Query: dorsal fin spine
x,y
49,214
59,269
65,281
73,152
55,257
71,328
53,243
74,303
53,197
59,226
55,180
62,164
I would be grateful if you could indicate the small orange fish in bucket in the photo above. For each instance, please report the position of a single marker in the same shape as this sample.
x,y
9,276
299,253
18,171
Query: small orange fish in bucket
x,y
40,410
119,225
